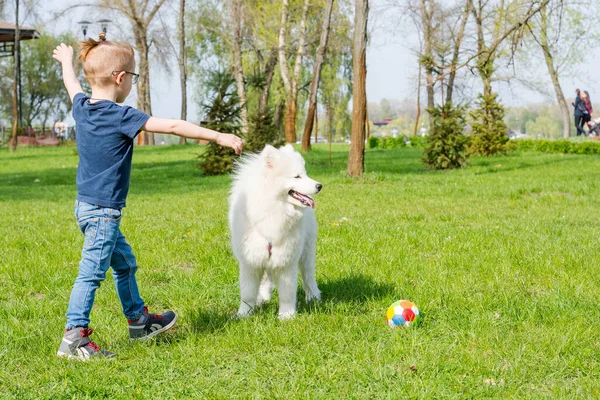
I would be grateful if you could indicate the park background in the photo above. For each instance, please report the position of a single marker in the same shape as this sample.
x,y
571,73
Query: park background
x,y
500,255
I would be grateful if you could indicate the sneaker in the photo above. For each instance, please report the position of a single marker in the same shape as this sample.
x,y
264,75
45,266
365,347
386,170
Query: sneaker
x,y
76,345
150,325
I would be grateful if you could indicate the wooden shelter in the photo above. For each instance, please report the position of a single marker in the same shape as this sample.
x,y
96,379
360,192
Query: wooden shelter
x,y
10,39
7,37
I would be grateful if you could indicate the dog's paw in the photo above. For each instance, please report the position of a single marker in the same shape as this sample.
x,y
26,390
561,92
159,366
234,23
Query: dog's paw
x,y
244,311
310,297
287,315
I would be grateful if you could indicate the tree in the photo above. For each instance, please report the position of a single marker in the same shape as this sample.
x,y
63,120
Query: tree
x,y
182,64
559,32
43,90
314,84
507,21
236,12
140,14
291,78
458,41
12,144
222,112
446,145
356,159
43,93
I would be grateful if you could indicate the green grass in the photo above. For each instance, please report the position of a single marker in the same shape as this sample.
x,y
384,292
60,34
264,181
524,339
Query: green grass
x,y
502,258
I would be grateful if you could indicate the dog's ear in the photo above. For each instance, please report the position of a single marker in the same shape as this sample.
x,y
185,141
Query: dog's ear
x,y
287,148
269,155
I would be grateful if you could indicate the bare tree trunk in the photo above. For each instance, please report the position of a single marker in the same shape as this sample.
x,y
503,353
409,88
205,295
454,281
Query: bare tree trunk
x,y
290,81
314,84
418,101
427,20
143,85
269,72
12,144
140,14
560,97
457,45
356,159
182,65
238,69
290,121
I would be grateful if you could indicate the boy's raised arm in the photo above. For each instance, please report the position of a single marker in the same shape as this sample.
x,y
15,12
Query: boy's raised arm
x,y
64,54
192,131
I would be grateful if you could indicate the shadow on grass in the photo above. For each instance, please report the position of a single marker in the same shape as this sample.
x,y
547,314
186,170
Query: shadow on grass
x,y
211,320
354,289
146,179
491,165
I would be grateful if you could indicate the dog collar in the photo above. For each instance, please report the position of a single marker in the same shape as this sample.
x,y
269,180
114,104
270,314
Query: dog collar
x,y
269,248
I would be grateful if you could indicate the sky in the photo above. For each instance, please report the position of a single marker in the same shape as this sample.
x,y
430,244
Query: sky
x,y
391,61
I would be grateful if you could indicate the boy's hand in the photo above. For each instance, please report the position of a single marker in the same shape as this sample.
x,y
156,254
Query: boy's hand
x,y
229,140
63,53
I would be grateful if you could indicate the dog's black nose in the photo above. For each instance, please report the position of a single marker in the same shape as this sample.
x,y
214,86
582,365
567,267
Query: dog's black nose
x,y
319,186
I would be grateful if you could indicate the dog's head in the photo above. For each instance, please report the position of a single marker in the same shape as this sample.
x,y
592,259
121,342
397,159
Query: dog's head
x,y
284,168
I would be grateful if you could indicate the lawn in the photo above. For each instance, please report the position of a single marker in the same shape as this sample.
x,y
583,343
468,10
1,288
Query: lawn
x,y
501,257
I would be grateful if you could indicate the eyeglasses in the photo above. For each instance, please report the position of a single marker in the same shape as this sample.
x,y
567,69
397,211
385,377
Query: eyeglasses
x,y
135,77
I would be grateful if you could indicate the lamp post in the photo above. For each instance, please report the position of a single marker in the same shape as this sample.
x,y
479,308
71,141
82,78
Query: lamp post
x,y
84,27
86,24
104,24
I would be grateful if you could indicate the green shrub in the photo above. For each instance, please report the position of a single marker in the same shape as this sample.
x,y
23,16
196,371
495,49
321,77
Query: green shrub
x,y
446,146
386,142
262,131
557,146
373,142
392,142
223,115
488,127
419,142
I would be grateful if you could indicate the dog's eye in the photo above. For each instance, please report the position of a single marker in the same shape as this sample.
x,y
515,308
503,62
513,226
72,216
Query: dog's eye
x,y
297,177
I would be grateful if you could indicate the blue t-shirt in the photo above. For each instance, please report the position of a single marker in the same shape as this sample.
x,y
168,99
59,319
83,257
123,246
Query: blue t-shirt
x,y
104,135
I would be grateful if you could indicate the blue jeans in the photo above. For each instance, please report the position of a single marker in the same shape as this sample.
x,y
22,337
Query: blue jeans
x,y
104,246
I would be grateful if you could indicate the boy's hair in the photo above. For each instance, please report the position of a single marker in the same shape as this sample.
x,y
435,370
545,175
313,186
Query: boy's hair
x,y
100,58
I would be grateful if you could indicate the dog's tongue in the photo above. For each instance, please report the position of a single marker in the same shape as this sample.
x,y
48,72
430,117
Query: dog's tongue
x,y
307,200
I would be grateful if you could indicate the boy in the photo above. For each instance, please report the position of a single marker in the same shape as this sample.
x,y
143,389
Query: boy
x,y
105,135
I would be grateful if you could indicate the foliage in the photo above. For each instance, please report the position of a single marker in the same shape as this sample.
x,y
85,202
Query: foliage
x,y
558,146
262,131
223,115
446,144
387,142
419,142
488,129
44,97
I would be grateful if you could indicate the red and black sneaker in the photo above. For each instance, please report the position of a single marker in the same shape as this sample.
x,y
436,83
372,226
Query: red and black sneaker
x,y
149,325
76,345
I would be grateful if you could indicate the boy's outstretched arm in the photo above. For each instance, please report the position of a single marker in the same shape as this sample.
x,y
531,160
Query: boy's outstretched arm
x,y
192,131
64,54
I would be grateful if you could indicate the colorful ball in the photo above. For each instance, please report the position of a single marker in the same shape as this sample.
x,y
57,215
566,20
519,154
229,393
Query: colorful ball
x,y
402,314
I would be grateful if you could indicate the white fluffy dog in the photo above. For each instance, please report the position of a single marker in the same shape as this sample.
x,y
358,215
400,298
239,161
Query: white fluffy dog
x,y
273,228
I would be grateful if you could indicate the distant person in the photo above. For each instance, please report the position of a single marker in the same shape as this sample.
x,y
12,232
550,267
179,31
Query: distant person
x,y
585,97
579,113
105,136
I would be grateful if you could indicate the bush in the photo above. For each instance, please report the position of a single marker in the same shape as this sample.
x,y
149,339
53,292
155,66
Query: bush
x,y
262,131
446,145
386,142
419,142
223,115
488,128
373,142
557,146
